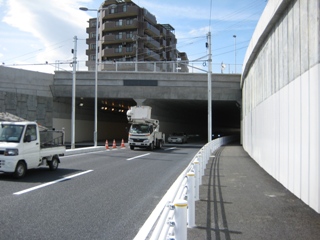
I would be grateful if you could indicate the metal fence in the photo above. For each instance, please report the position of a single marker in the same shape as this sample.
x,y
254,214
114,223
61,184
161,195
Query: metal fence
x,y
176,211
51,138
165,66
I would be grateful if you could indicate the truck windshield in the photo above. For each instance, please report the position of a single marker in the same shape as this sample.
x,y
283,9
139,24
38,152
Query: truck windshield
x,y
10,132
140,128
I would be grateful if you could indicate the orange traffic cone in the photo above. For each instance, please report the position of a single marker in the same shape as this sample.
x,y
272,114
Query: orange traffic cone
x,y
107,145
114,144
122,143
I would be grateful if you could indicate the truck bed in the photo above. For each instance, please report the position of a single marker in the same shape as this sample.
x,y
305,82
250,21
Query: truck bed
x,y
53,150
51,143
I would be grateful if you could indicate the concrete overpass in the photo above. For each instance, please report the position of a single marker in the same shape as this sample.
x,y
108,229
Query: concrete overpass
x,y
175,97
146,85
179,100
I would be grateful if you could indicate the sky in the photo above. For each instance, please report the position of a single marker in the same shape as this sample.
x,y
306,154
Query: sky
x,y
39,35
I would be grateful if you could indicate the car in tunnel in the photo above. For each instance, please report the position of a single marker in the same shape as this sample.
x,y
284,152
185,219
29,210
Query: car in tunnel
x,y
179,137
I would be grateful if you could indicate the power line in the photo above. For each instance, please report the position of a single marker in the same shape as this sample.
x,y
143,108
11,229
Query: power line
x,y
35,51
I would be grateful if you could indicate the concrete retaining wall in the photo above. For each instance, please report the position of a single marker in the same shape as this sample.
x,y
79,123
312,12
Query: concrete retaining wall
x,y
280,90
26,94
225,87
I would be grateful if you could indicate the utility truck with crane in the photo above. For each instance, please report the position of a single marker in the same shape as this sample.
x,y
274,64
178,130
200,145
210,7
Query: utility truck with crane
x,y
144,131
25,145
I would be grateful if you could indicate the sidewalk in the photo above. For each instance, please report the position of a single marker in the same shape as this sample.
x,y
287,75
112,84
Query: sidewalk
x,y
239,200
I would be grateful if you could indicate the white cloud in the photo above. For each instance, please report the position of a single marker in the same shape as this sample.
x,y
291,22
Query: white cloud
x,y
166,12
199,31
49,26
36,31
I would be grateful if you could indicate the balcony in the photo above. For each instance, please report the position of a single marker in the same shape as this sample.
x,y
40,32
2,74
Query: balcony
x,y
149,17
91,65
151,43
90,51
131,11
90,30
151,30
151,55
112,39
111,26
112,53
90,40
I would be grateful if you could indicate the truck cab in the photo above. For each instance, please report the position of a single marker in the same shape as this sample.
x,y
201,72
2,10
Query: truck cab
x,y
144,131
21,148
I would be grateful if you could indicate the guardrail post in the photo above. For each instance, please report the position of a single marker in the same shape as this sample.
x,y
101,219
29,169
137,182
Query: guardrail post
x,y
203,163
208,153
180,215
191,199
200,169
197,179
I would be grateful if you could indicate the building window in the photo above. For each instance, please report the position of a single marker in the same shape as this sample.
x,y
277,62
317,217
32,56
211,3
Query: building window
x,y
118,49
129,35
119,23
124,9
119,35
92,46
129,48
129,22
93,35
92,57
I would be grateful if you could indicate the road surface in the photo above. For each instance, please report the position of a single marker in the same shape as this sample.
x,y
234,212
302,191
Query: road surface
x,y
98,195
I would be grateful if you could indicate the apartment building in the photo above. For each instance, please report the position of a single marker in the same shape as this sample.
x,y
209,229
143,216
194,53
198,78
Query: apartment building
x,y
130,35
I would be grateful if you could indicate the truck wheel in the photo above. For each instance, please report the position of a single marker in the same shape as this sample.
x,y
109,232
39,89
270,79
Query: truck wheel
x,y
21,170
151,147
132,147
53,164
159,144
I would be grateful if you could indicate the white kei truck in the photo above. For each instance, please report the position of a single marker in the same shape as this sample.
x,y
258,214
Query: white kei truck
x,y
25,145
144,131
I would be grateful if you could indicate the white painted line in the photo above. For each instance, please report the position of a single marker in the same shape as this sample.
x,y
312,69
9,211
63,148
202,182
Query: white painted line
x,y
50,183
149,224
82,153
170,148
138,156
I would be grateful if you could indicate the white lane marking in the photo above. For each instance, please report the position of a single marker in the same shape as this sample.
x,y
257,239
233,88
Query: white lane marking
x,y
170,148
138,156
84,153
50,183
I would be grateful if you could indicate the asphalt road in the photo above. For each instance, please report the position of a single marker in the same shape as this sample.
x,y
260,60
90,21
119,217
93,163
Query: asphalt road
x,y
99,195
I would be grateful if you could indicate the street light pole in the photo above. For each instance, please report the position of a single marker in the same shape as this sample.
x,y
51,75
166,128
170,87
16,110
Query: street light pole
x,y
235,53
74,64
209,89
95,133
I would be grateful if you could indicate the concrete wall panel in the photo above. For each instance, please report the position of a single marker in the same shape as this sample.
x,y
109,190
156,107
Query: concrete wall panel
x,y
305,153
296,129
284,136
284,54
314,175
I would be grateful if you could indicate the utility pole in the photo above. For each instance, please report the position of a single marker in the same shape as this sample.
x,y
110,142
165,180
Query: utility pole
x,y
209,89
235,53
74,64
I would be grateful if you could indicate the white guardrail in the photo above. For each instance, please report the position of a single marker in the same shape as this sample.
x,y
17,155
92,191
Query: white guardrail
x,y
176,210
